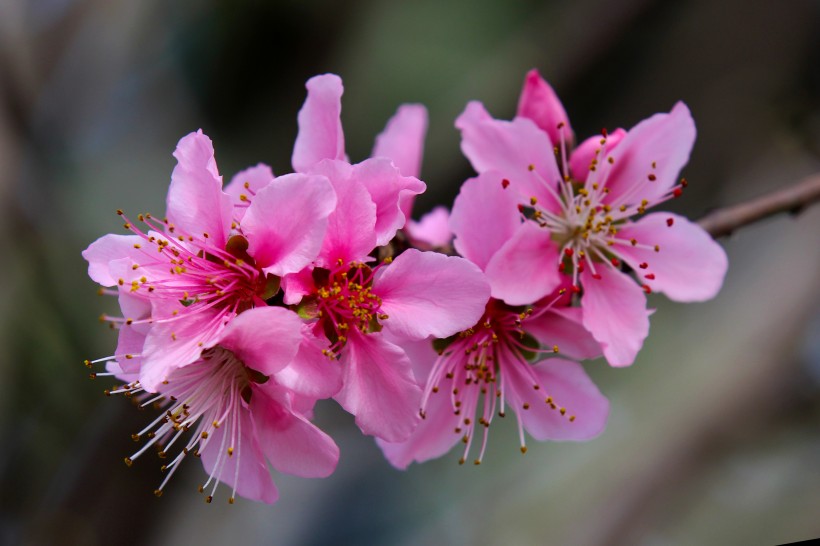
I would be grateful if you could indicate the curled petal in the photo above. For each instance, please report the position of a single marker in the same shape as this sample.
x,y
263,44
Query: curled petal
x,y
390,191
196,204
320,125
402,140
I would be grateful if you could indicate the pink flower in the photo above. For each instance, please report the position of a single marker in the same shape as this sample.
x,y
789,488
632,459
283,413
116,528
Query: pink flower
x,y
499,362
579,214
217,254
364,310
227,408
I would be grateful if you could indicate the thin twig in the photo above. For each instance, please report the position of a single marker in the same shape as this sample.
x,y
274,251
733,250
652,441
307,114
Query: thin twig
x,y
794,199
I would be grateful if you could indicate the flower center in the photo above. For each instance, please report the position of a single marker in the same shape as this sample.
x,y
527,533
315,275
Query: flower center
x,y
345,302
586,222
196,273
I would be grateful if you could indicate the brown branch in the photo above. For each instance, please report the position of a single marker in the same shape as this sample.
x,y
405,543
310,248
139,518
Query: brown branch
x,y
794,199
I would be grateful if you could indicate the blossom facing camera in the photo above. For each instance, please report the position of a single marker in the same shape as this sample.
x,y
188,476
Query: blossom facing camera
x,y
516,358
582,213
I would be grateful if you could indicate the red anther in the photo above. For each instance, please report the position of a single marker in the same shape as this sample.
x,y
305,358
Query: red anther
x,y
684,182
643,265
575,289
561,267
581,267
677,192
652,177
521,208
647,289
604,132
505,183
670,221
596,276
568,251
650,276
615,262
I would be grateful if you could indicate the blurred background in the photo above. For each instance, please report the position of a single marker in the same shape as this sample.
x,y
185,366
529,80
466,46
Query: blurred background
x,y
714,436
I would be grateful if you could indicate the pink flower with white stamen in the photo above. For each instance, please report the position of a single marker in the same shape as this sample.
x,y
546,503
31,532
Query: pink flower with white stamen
x,y
228,409
506,360
579,213
216,255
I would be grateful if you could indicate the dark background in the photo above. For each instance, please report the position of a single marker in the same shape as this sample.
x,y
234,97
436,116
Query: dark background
x,y
714,436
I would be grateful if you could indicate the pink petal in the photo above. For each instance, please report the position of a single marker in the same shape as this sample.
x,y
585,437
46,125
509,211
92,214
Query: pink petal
x,y
525,269
485,216
510,147
106,249
297,285
351,227
290,442
311,373
320,126
390,191
178,343
196,204
663,140
581,159
379,388
690,265
563,326
433,229
615,312
253,480
402,140
539,103
569,387
430,294
265,339
256,178
286,222
131,337
432,438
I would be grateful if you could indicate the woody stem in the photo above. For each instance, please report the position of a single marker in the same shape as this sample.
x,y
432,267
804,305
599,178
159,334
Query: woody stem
x,y
793,200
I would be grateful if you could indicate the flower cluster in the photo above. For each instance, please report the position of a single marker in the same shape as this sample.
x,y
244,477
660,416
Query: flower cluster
x,y
247,304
